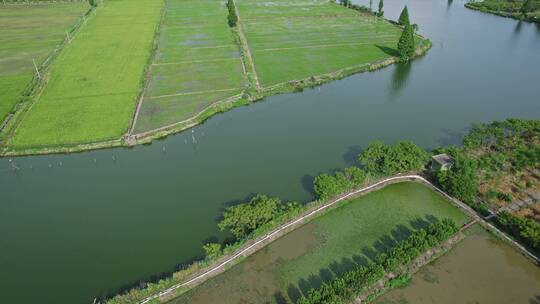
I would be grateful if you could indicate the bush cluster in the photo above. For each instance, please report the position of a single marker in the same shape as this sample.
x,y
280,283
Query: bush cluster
x,y
382,159
232,18
328,185
349,285
525,229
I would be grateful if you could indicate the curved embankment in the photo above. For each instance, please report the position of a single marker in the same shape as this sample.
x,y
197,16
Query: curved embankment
x,y
259,243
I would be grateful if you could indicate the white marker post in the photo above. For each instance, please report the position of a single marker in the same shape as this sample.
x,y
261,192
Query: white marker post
x,y
37,70
68,38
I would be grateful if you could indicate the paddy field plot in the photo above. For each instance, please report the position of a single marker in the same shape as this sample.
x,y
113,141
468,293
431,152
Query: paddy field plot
x,y
197,64
293,40
94,83
30,31
349,235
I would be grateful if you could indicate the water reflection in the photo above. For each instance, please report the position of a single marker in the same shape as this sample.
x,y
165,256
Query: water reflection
x,y
399,79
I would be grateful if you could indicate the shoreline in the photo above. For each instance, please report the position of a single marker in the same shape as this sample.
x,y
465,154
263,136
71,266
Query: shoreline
x,y
222,106
515,16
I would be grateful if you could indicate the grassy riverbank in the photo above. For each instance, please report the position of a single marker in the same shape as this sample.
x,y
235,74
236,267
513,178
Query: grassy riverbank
x,y
505,8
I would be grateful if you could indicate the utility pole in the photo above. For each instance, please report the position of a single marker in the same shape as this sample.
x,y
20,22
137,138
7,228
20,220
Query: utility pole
x,y
37,70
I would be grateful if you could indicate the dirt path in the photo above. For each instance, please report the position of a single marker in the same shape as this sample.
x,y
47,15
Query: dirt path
x,y
246,49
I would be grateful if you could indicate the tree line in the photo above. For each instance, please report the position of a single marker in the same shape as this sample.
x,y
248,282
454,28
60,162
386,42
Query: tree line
x,y
346,287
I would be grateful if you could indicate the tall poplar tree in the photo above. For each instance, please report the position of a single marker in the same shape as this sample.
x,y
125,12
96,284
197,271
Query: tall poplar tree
x,y
404,16
406,43
381,6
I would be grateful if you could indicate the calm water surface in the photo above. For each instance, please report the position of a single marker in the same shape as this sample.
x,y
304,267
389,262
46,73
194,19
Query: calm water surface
x,y
83,225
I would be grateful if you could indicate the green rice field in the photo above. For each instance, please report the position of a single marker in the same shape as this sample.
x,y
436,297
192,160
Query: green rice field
x,y
328,245
94,83
293,40
197,63
30,31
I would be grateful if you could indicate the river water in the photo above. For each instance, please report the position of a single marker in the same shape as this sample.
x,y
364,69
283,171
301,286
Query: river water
x,y
78,226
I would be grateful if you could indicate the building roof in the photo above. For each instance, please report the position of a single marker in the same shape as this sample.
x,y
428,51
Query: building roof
x,y
443,159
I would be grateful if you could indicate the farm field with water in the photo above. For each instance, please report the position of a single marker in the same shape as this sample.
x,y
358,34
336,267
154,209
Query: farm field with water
x,y
352,234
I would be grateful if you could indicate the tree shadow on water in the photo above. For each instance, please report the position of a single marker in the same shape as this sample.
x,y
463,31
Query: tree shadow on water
x,y
294,293
351,155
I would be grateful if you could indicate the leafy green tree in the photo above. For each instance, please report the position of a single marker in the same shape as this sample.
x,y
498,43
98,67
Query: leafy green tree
x,y
232,18
212,250
404,17
383,159
243,219
527,7
406,43
381,6
92,2
460,180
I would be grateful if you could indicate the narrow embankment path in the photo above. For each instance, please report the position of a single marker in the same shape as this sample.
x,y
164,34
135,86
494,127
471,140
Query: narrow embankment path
x,y
245,47
269,237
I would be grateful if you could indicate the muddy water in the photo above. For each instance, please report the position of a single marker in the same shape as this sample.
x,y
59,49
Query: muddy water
x,y
479,270
253,281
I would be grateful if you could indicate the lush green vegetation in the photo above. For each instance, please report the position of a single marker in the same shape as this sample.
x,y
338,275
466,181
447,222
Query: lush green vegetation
x,y
346,237
94,99
30,32
197,63
242,219
232,18
346,287
330,185
525,229
382,159
315,37
499,163
528,10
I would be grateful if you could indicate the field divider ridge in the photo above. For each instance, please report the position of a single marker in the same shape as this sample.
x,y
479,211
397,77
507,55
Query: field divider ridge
x,y
147,74
245,47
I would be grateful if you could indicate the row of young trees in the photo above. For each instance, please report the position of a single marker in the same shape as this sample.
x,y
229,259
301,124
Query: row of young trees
x,y
349,285
232,18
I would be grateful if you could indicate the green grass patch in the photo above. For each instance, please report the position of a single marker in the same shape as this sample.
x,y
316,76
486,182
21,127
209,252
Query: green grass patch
x,y
30,31
293,41
317,252
94,83
197,63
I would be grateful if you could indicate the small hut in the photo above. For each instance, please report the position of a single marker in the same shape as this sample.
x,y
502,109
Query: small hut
x,y
441,162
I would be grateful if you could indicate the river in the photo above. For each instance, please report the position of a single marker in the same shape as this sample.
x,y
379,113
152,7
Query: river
x,y
84,225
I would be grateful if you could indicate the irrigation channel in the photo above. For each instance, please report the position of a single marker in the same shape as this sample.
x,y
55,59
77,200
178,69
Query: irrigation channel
x,y
79,226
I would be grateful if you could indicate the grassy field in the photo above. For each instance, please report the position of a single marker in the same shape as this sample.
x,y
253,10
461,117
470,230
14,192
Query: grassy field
x,y
349,235
94,83
507,8
197,63
30,31
295,40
